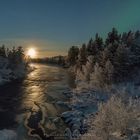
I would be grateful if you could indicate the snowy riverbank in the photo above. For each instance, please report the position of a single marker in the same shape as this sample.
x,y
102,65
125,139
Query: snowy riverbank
x,y
85,105
8,74
13,64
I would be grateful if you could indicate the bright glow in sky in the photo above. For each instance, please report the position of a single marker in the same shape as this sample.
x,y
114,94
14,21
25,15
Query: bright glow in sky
x,y
31,53
55,25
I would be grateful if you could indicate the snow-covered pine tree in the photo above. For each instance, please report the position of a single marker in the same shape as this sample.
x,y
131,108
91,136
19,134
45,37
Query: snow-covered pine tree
x,y
109,72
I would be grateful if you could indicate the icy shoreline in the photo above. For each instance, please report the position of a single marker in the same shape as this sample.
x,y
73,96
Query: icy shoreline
x,y
7,75
84,106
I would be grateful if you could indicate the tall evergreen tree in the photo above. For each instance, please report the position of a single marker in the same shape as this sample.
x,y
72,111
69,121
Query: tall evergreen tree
x,y
89,47
113,37
20,54
83,55
109,72
98,41
137,34
130,38
2,51
122,63
73,55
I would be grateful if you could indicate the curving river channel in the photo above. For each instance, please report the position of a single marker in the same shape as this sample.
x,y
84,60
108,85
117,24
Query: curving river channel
x,y
29,106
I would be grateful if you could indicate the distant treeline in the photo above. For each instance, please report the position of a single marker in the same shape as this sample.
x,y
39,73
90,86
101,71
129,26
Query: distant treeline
x,y
58,60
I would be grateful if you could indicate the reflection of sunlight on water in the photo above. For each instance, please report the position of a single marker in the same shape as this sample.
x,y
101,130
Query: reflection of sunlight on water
x,y
33,96
44,81
32,74
40,90
33,91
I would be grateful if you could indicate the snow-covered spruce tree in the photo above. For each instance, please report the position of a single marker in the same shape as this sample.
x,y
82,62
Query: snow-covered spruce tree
x,y
119,52
109,72
94,47
83,73
13,64
97,77
88,56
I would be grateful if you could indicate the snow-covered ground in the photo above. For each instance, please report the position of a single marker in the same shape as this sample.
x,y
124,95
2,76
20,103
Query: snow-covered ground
x,y
84,103
7,74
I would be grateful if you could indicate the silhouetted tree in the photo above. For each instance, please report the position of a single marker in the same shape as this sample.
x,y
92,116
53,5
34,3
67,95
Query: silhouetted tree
x,y
109,72
137,34
130,38
90,47
83,55
73,55
122,63
2,51
113,61
113,37
98,41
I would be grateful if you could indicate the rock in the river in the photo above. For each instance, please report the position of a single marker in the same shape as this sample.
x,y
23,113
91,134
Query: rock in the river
x,y
68,93
68,134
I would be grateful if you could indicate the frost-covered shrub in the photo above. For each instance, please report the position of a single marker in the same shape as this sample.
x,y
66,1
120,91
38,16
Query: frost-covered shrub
x,y
111,116
115,117
13,64
83,73
97,76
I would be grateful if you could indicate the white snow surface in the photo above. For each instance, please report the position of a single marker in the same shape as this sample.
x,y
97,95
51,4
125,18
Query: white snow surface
x,y
7,74
83,103
84,99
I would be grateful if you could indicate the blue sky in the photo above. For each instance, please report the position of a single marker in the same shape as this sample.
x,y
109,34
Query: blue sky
x,y
52,26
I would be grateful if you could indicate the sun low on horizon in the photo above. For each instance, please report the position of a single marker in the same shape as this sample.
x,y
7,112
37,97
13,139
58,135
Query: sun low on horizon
x,y
31,52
